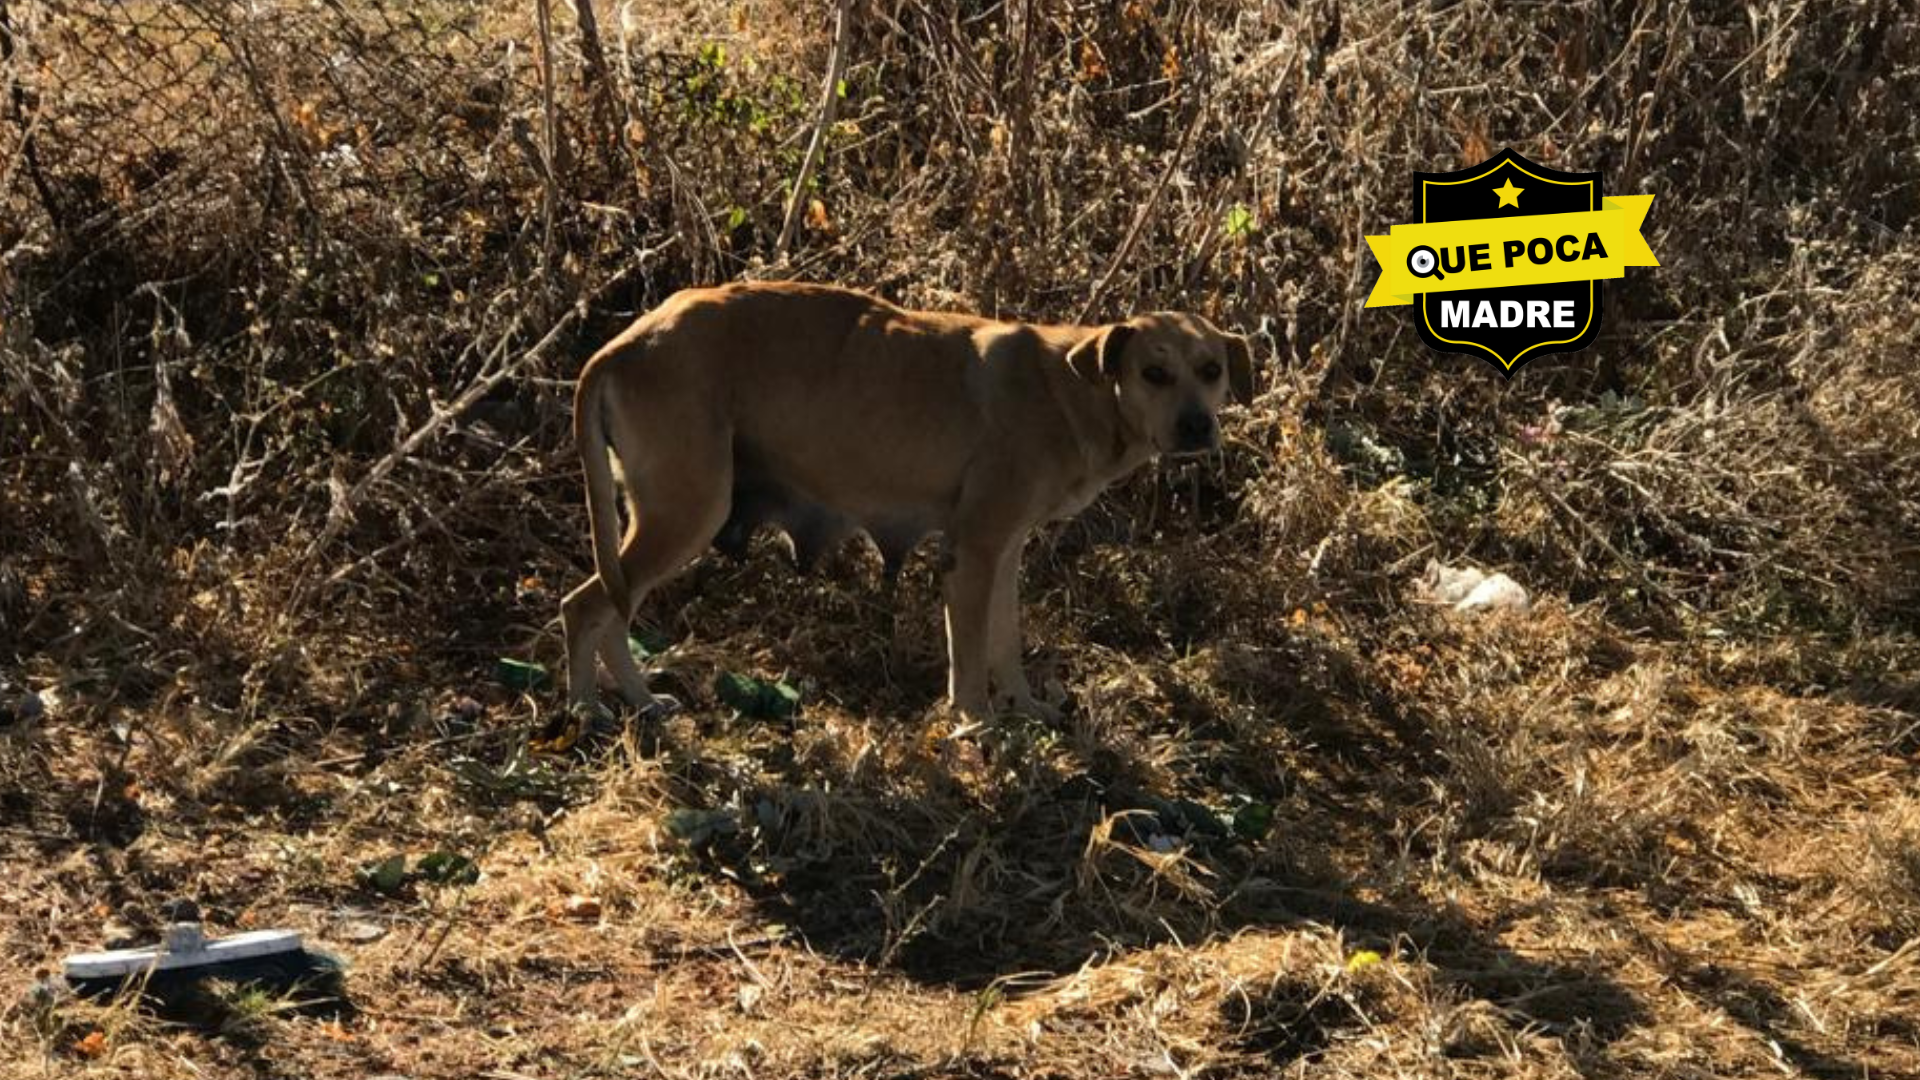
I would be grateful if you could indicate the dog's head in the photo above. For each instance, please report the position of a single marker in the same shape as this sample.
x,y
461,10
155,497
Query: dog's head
x,y
1171,373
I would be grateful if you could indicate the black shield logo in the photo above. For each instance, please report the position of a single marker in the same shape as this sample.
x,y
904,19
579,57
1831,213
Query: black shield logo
x,y
1506,185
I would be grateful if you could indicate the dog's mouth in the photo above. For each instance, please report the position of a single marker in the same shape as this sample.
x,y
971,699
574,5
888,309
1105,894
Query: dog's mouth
x,y
1195,431
1191,444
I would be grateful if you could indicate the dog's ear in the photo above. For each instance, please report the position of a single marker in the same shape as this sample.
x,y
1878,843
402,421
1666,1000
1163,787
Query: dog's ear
x,y
1098,354
1240,368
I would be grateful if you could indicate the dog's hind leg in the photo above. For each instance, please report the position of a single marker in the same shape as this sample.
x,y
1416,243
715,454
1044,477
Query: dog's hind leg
x,y
678,512
679,520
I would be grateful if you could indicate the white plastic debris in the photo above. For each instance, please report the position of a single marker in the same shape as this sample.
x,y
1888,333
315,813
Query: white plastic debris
x,y
1470,589
186,946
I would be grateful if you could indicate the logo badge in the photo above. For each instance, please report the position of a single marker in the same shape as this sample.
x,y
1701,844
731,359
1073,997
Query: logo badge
x,y
1507,258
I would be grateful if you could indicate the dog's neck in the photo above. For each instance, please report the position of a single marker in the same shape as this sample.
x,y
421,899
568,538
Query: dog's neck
x,y
1110,445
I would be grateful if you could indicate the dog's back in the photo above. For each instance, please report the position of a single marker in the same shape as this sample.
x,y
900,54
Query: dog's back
x,y
824,392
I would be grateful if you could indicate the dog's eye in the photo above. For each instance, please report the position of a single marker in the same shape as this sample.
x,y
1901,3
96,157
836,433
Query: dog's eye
x,y
1157,375
1210,373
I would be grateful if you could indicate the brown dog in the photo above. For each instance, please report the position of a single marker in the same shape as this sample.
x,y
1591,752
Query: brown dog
x,y
828,411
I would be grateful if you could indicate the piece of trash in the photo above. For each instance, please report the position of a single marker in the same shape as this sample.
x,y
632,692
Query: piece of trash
x,y
695,827
757,699
1361,960
563,730
359,932
19,705
172,972
1497,593
520,675
93,1045
335,1031
383,875
575,907
560,734
1469,589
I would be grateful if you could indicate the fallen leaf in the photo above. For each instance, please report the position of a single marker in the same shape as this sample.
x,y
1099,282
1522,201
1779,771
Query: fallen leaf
x,y
92,1046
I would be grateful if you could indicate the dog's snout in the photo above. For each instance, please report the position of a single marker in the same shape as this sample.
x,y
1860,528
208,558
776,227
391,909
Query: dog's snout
x,y
1195,431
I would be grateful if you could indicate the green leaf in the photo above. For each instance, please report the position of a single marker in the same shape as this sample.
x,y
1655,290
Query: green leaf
x,y
645,642
1239,220
520,675
448,868
757,699
1252,820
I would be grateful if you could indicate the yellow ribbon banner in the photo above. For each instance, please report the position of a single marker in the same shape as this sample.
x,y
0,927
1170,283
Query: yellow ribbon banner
x,y
1495,253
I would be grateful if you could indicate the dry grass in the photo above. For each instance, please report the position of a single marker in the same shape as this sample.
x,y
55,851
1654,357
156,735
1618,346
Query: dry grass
x,y
261,564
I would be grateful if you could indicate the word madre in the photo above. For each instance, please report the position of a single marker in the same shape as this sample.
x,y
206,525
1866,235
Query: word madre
x,y
1507,314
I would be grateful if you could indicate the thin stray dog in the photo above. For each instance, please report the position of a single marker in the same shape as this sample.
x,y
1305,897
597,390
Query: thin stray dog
x,y
827,411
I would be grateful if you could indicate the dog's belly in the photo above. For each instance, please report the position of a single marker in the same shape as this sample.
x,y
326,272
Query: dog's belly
x,y
761,498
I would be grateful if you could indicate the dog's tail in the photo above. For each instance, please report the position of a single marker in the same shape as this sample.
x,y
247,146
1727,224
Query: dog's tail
x,y
603,512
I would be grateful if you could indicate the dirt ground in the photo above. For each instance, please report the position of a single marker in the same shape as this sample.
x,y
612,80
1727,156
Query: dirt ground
x,y
293,297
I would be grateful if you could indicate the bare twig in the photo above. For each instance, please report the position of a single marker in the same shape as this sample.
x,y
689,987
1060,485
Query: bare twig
x,y
822,125
1125,250
608,111
549,142
476,390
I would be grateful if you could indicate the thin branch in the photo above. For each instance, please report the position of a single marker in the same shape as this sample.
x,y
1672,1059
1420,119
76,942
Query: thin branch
x,y
1147,209
829,105
550,131
342,512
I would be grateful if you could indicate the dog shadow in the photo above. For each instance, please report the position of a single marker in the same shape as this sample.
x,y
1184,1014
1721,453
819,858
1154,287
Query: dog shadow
x,y
1029,851
1056,866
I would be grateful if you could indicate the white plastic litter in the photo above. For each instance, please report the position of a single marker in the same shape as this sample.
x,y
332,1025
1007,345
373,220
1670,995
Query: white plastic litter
x,y
186,946
1469,589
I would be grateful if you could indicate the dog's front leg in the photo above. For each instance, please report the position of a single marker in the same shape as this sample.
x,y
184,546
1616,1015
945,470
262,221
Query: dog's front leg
x,y
1011,691
970,579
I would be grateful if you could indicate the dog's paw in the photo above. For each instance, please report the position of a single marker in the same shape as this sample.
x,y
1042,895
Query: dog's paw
x,y
590,712
959,722
661,707
1030,707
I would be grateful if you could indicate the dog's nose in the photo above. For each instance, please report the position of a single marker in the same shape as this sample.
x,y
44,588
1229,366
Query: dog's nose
x,y
1194,430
